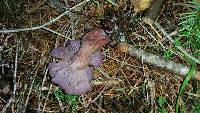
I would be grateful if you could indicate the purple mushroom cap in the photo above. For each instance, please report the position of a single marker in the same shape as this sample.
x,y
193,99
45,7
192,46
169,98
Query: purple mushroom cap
x,y
96,58
73,71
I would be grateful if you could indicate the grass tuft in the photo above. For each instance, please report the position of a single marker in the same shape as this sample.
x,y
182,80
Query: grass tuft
x,y
190,29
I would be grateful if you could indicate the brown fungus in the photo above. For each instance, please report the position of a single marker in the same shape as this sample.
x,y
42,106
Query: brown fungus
x,y
73,71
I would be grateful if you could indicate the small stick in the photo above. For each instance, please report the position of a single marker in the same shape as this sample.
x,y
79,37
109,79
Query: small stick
x,y
59,34
45,24
170,65
15,73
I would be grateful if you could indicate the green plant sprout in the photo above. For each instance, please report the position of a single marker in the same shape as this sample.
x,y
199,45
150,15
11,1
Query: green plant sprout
x,y
167,54
161,101
63,97
196,107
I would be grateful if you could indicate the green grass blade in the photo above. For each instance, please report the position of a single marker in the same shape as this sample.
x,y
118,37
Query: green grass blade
x,y
183,85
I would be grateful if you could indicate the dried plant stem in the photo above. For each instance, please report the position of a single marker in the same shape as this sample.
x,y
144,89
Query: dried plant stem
x,y
15,72
157,61
45,24
12,98
164,48
40,90
35,70
59,34
47,98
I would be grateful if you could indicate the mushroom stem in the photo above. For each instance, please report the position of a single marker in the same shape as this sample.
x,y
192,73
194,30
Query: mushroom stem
x,y
91,42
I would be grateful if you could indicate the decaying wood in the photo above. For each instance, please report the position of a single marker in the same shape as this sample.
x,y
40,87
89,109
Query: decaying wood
x,y
154,9
158,61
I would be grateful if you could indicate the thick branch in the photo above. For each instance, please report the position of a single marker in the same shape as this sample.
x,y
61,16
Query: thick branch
x,y
150,58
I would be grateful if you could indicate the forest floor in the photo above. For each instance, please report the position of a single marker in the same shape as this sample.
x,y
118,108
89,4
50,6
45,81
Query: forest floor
x,y
122,83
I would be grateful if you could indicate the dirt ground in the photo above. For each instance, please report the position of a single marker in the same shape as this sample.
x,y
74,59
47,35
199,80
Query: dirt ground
x,y
122,83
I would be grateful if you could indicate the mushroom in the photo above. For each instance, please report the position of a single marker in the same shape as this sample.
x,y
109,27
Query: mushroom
x,y
73,70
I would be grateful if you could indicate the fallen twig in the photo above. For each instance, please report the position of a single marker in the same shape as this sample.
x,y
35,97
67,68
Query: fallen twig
x,y
170,65
45,24
59,34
